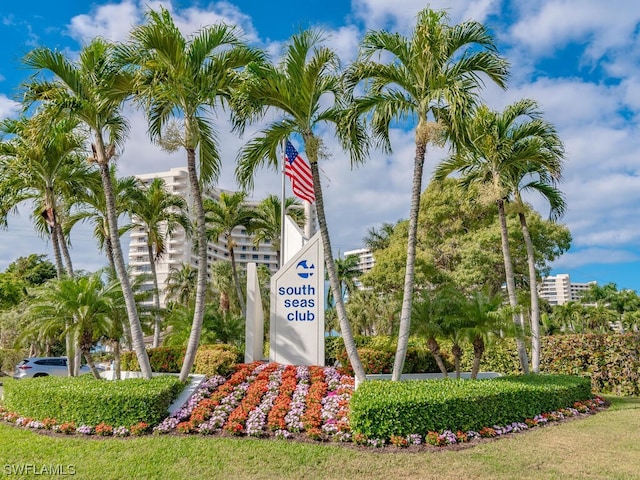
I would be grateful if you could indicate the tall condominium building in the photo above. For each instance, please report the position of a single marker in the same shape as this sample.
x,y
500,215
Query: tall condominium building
x,y
180,248
559,289
365,258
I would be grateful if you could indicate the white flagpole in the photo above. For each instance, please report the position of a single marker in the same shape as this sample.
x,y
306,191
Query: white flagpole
x,y
282,208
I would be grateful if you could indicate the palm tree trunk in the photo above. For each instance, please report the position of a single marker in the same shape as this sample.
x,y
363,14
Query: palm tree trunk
x,y
68,339
533,287
236,281
92,365
201,286
65,250
57,256
511,288
407,296
109,249
134,321
334,282
116,360
478,351
156,297
434,348
457,354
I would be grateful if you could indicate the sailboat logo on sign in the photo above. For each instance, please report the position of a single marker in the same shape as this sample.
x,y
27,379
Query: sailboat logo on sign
x,y
305,271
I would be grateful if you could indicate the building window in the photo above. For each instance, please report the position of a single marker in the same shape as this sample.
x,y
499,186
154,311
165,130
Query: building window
x,y
254,257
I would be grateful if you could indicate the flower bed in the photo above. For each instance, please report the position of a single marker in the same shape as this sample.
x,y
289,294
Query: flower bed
x,y
272,400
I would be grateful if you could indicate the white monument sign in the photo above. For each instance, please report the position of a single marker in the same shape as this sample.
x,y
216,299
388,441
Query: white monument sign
x,y
254,334
297,308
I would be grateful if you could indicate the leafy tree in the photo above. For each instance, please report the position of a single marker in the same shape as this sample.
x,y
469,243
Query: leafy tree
x,y
159,213
183,78
92,90
459,243
34,269
307,93
432,77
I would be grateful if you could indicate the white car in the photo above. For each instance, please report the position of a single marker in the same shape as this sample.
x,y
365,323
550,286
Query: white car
x,y
43,367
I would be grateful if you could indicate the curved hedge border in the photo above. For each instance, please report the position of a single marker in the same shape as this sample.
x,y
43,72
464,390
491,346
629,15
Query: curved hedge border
x,y
85,400
382,409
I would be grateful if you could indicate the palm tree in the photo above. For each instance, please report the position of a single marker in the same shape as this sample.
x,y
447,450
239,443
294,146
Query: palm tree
x,y
570,316
347,270
90,206
87,300
507,153
427,313
223,284
307,73
92,90
379,239
44,166
159,213
543,184
181,284
481,309
432,77
267,222
223,216
182,78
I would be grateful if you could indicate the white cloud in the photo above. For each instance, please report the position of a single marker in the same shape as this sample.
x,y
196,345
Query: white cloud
x,y
110,21
546,27
8,107
401,14
589,256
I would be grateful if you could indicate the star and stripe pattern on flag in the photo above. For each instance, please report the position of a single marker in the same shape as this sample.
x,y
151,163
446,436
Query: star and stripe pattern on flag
x,y
299,171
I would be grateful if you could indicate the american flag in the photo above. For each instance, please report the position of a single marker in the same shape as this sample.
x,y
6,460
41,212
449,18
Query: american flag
x,y
300,174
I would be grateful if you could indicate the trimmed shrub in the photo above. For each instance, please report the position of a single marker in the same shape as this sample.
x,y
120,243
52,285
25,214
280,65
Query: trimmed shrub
x,y
381,409
378,354
170,359
611,361
85,400
218,359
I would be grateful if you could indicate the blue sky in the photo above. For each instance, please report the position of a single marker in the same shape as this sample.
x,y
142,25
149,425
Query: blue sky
x,y
578,58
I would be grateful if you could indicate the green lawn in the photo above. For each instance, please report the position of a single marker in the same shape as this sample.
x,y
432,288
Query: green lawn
x,y
602,446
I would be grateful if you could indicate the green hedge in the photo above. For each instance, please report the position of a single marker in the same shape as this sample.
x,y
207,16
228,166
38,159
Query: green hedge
x,y
85,400
380,409
219,359
611,361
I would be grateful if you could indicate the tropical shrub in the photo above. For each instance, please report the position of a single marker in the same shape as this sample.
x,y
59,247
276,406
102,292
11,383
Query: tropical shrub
x,y
85,400
611,361
169,359
377,355
217,359
382,409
